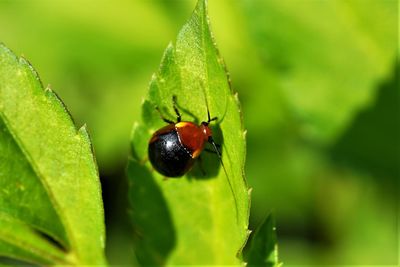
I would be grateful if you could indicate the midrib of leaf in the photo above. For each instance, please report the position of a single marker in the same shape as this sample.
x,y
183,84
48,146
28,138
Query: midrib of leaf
x,y
27,185
213,233
39,176
43,119
38,247
54,259
43,181
207,30
215,217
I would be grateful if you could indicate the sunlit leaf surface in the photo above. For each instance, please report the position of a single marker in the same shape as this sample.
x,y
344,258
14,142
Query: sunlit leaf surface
x,y
197,219
49,186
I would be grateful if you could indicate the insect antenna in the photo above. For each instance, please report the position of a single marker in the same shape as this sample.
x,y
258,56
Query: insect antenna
x,y
212,142
209,119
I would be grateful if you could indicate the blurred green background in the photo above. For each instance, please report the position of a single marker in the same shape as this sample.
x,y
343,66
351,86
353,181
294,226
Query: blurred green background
x,y
318,81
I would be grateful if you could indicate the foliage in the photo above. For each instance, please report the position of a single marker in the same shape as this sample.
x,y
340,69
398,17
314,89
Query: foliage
x,y
204,218
48,175
262,248
318,85
355,49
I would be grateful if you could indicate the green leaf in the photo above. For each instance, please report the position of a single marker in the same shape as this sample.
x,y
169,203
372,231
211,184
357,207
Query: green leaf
x,y
20,241
49,184
262,248
98,89
329,56
197,219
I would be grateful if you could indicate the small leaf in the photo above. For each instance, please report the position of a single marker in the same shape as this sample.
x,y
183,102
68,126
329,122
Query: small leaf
x,y
195,219
49,184
262,249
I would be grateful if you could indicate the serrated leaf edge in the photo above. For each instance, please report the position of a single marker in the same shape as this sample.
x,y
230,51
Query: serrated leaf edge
x,y
81,133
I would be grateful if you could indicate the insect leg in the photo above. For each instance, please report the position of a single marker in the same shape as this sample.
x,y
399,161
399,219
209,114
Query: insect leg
x,y
210,151
178,114
163,118
217,150
211,119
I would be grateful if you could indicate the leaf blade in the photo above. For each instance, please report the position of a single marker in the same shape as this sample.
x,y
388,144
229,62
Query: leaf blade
x,y
60,155
262,248
217,226
18,240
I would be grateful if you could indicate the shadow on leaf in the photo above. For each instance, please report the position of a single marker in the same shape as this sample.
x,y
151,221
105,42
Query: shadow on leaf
x,y
154,230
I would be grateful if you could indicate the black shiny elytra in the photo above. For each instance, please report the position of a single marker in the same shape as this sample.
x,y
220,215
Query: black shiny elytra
x,y
168,156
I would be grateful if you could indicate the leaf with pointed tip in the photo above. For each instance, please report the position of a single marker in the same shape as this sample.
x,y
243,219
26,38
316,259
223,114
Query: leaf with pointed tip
x,y
262,248
49,184
197,219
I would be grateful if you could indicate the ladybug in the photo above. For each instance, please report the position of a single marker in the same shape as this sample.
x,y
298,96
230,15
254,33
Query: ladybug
x,y
174,148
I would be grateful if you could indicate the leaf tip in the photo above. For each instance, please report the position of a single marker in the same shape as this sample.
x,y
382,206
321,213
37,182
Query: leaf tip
x,y
170,46
25,63
134,127
249,191
83,127
53,96
245,134
199,6
153,78
83,132
202,5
